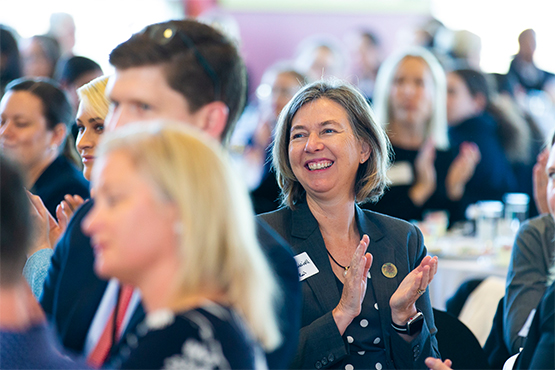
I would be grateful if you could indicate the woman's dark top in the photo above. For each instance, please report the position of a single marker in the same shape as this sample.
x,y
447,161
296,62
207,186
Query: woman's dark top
x,y
210,337
59,179
364,336
493,175
396,201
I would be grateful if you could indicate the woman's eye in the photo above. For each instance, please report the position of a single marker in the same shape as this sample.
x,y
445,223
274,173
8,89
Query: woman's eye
x,y
99,129
329,131
144,107
296,136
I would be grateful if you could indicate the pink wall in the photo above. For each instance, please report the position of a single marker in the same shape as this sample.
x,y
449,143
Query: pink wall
x,y
267,38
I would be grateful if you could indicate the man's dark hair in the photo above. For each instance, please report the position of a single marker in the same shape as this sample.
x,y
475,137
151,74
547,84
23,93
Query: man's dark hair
x,y
14,223
183,68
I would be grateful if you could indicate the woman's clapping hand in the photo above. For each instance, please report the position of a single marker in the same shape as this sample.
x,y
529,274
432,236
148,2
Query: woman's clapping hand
x,y
354,288
403,300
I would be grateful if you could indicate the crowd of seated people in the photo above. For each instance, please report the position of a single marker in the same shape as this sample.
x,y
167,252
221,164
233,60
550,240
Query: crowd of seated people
x,y
163,263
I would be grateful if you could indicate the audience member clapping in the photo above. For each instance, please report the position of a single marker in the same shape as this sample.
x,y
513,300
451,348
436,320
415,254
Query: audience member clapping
x,y
474,116
410,101
364,275
34,134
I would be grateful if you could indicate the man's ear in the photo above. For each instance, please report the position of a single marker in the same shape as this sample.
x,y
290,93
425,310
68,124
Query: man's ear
x,y
213,118
480,101
58,135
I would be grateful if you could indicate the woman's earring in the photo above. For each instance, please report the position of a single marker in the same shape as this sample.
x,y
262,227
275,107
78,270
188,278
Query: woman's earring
x,y
53,147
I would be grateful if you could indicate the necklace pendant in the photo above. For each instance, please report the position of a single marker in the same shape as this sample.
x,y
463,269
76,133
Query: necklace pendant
x,y
345,272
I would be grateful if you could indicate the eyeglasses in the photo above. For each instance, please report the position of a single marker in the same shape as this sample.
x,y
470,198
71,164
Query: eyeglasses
x,y
164,34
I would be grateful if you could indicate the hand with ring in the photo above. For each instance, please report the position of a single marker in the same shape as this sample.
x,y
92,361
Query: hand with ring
x,y
413,286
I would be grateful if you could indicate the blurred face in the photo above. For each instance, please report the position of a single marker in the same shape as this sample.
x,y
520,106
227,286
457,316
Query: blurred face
x,y
527,46
35,62
24,136
323,63
283,89
91,126
411,96
131,225
366,58
550,168
142,94
461,105
323,151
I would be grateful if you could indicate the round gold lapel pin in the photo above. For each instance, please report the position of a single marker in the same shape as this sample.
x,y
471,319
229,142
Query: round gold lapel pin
x,y
389,270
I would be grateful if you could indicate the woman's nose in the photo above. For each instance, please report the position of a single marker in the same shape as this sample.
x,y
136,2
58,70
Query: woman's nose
x,y
313,143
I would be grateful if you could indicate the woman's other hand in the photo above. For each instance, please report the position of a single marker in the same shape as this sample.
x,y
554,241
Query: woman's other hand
x,y
437,364
403,300
46,230
354,287
540,180
66,209
425,170
462,170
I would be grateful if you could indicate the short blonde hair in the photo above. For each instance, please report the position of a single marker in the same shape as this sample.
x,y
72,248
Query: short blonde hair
x,y
437,125
93,96
371,178
218,249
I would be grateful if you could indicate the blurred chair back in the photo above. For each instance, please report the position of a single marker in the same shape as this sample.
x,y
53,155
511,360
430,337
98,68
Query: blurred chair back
x,y
457,343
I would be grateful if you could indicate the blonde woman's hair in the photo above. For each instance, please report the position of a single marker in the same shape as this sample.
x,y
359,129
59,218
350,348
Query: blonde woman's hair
x,y
437,125
371,178
218,250
93,95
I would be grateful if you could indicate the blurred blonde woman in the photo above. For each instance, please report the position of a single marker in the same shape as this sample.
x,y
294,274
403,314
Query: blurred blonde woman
x,y
410,101
171,219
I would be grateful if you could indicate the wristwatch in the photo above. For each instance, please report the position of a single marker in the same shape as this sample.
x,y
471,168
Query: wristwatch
x,y
413,326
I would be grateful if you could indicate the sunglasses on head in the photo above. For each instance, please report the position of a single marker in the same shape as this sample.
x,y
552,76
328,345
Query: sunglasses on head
x,y
164,34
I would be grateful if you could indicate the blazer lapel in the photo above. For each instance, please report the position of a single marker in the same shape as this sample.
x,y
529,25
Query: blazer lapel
x,y
382,253
304,228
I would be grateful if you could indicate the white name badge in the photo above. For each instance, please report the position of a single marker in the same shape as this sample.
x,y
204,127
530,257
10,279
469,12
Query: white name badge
x,y
306,267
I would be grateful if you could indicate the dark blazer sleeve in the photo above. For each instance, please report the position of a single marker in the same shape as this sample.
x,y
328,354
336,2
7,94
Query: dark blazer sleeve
x,y
72,291
411,355
538,350
281,259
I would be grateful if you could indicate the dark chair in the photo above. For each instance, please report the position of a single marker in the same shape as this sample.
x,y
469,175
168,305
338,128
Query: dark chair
x,y
457,343
455,304
495,348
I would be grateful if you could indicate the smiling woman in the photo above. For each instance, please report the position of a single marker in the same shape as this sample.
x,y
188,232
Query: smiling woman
x,y
364,275
35,116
